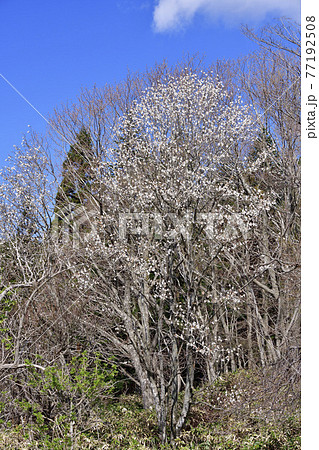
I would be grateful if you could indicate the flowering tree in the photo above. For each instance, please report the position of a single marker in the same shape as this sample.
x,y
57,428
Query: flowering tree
x,y
26,192
178,209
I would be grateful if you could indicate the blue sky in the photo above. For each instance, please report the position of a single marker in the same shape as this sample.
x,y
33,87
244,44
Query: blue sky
x,y
50,49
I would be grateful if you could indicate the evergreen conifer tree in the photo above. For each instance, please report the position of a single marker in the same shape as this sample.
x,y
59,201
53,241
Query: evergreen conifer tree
x,y
77,174
77,179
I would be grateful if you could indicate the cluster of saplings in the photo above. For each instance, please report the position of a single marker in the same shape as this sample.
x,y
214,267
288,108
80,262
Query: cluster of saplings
x,y
150,261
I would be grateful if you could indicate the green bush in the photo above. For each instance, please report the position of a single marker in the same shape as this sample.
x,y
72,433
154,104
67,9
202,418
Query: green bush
x,y
120,422
57,404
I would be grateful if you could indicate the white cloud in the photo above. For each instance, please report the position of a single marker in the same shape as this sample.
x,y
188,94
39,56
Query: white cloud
x,y
175,14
